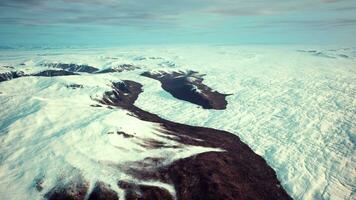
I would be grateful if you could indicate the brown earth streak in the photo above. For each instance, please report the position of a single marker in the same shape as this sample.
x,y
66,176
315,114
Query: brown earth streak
x,y
188,86
234,173
72,67
102,191
120,68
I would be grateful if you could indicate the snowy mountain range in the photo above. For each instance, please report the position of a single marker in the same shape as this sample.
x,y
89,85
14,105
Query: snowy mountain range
x,y
182,122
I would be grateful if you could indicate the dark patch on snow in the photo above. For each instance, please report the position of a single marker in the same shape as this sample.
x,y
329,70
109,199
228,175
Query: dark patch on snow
x,y
144,192
125,135
47,73
155,58
74,86
50,73
235,173
11,75
96,105
39,183
72,67
7,67
120,68
317,53
188,86
70,191
103,191
154,144
124,94
343,56
139,58
167,64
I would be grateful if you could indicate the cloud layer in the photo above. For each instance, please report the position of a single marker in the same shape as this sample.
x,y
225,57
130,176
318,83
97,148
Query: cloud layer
x,y
197,15
138,11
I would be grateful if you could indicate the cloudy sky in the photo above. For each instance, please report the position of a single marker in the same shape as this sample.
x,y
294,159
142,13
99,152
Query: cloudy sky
x,y
112,22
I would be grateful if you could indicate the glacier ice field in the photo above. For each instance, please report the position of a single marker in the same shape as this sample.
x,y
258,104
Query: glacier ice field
x,y
293,105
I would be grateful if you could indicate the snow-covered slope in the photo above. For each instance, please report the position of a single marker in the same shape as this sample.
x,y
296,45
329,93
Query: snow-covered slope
x,y
50,133
290,104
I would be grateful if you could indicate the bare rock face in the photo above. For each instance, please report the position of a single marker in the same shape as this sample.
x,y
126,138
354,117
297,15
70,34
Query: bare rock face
x,y
70,191
10,75
50,73
47,73
144,192
120,68
234,173
219,176
123,94
72,67
102,191
75,86
188,86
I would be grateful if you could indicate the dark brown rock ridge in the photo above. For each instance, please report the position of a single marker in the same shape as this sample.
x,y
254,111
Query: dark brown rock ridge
x,y
46,73
120,68
188,86
102,191
72,67
10,75
144,192
64,70
71,191
235,173
74,86
124,94
50,73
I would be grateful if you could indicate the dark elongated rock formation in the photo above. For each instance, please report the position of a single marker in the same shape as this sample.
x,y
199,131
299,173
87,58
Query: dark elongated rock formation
x,y
47,73
50,73
10,75
120,68
70,191
235,173
73,67
64,70
144,192
102,191
188,86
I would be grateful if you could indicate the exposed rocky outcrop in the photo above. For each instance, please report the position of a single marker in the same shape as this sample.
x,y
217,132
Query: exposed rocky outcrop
x,y
10,75
124,94
47,73
75,86
144,192
235,173
103,191
72,67
188,86
64,70
70,191
120,68
50,73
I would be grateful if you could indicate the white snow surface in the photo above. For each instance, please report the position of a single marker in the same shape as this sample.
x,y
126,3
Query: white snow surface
x,y
293,105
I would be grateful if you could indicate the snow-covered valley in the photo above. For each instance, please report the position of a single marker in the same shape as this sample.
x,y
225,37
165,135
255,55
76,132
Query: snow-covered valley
x,y
294,106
